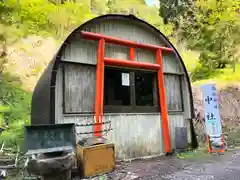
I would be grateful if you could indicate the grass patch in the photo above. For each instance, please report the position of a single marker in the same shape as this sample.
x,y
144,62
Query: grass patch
x,y
196,154
190,59
223,77
220,76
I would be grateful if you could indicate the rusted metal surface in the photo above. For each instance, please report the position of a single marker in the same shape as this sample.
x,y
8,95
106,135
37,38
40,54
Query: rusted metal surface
x,y
96,159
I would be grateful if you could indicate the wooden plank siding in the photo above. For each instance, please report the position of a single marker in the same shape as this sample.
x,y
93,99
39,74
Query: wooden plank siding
x,y
173,92
134,134
79,88
147,125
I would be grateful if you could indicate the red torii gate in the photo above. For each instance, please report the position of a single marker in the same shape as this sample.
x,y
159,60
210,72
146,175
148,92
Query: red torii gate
x,y
102,61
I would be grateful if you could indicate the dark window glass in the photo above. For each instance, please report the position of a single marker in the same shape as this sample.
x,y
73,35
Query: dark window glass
x,y
130,91
116,92
144,88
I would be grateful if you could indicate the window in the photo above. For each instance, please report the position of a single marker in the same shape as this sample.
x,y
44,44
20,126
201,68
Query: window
x,y
144,88
125,90
115,92
130,91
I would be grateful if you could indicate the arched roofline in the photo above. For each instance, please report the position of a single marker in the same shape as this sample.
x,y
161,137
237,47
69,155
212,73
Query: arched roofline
x,y
57,58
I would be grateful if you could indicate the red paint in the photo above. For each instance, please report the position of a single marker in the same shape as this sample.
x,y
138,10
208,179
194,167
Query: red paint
x,y
222,148
132,54
132,64
99,89
102,61
102,44
163,104
118,41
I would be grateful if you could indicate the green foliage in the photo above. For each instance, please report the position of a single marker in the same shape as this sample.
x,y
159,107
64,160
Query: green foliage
x,y
140,10
99,7
211,27
15,110
58,18
199,154
202,72
3,109
173,10
42,17
20,18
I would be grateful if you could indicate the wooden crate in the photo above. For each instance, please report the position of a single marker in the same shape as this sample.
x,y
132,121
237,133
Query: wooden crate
x,y
95,160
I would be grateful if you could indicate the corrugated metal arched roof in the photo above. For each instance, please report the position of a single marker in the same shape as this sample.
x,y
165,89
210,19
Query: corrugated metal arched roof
x,y
43,99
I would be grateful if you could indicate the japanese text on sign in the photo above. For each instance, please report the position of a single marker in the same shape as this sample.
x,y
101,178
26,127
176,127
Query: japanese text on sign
x,y
211,110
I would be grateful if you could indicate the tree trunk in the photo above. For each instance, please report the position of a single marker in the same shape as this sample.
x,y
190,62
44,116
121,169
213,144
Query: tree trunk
x,y
234,65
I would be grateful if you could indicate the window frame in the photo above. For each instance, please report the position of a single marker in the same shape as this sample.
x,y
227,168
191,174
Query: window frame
x,y
133,108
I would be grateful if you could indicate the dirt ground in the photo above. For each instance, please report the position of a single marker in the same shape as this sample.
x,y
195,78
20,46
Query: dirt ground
x,y
209,167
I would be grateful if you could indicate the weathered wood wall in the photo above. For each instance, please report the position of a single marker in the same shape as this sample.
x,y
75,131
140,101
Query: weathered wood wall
x,y
138,134
173,92
79,88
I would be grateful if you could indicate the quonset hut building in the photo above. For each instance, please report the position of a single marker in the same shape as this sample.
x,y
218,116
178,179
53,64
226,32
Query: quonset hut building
x,y
120,72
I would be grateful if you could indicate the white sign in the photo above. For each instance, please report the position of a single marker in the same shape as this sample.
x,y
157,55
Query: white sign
x,y
211,111
125,79
2,173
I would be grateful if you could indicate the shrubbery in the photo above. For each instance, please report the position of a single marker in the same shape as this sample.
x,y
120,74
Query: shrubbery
x,y
15,103
21,18
43,18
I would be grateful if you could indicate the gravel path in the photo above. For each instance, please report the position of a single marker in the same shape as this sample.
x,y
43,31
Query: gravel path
x,y
214,167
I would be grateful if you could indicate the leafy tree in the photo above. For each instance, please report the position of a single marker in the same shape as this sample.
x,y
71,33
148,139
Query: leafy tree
x,y
218,37
140,10
99,6
172,10
210,26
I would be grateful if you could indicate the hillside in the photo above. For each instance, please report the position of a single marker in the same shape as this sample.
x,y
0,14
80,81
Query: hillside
x,y
31,31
